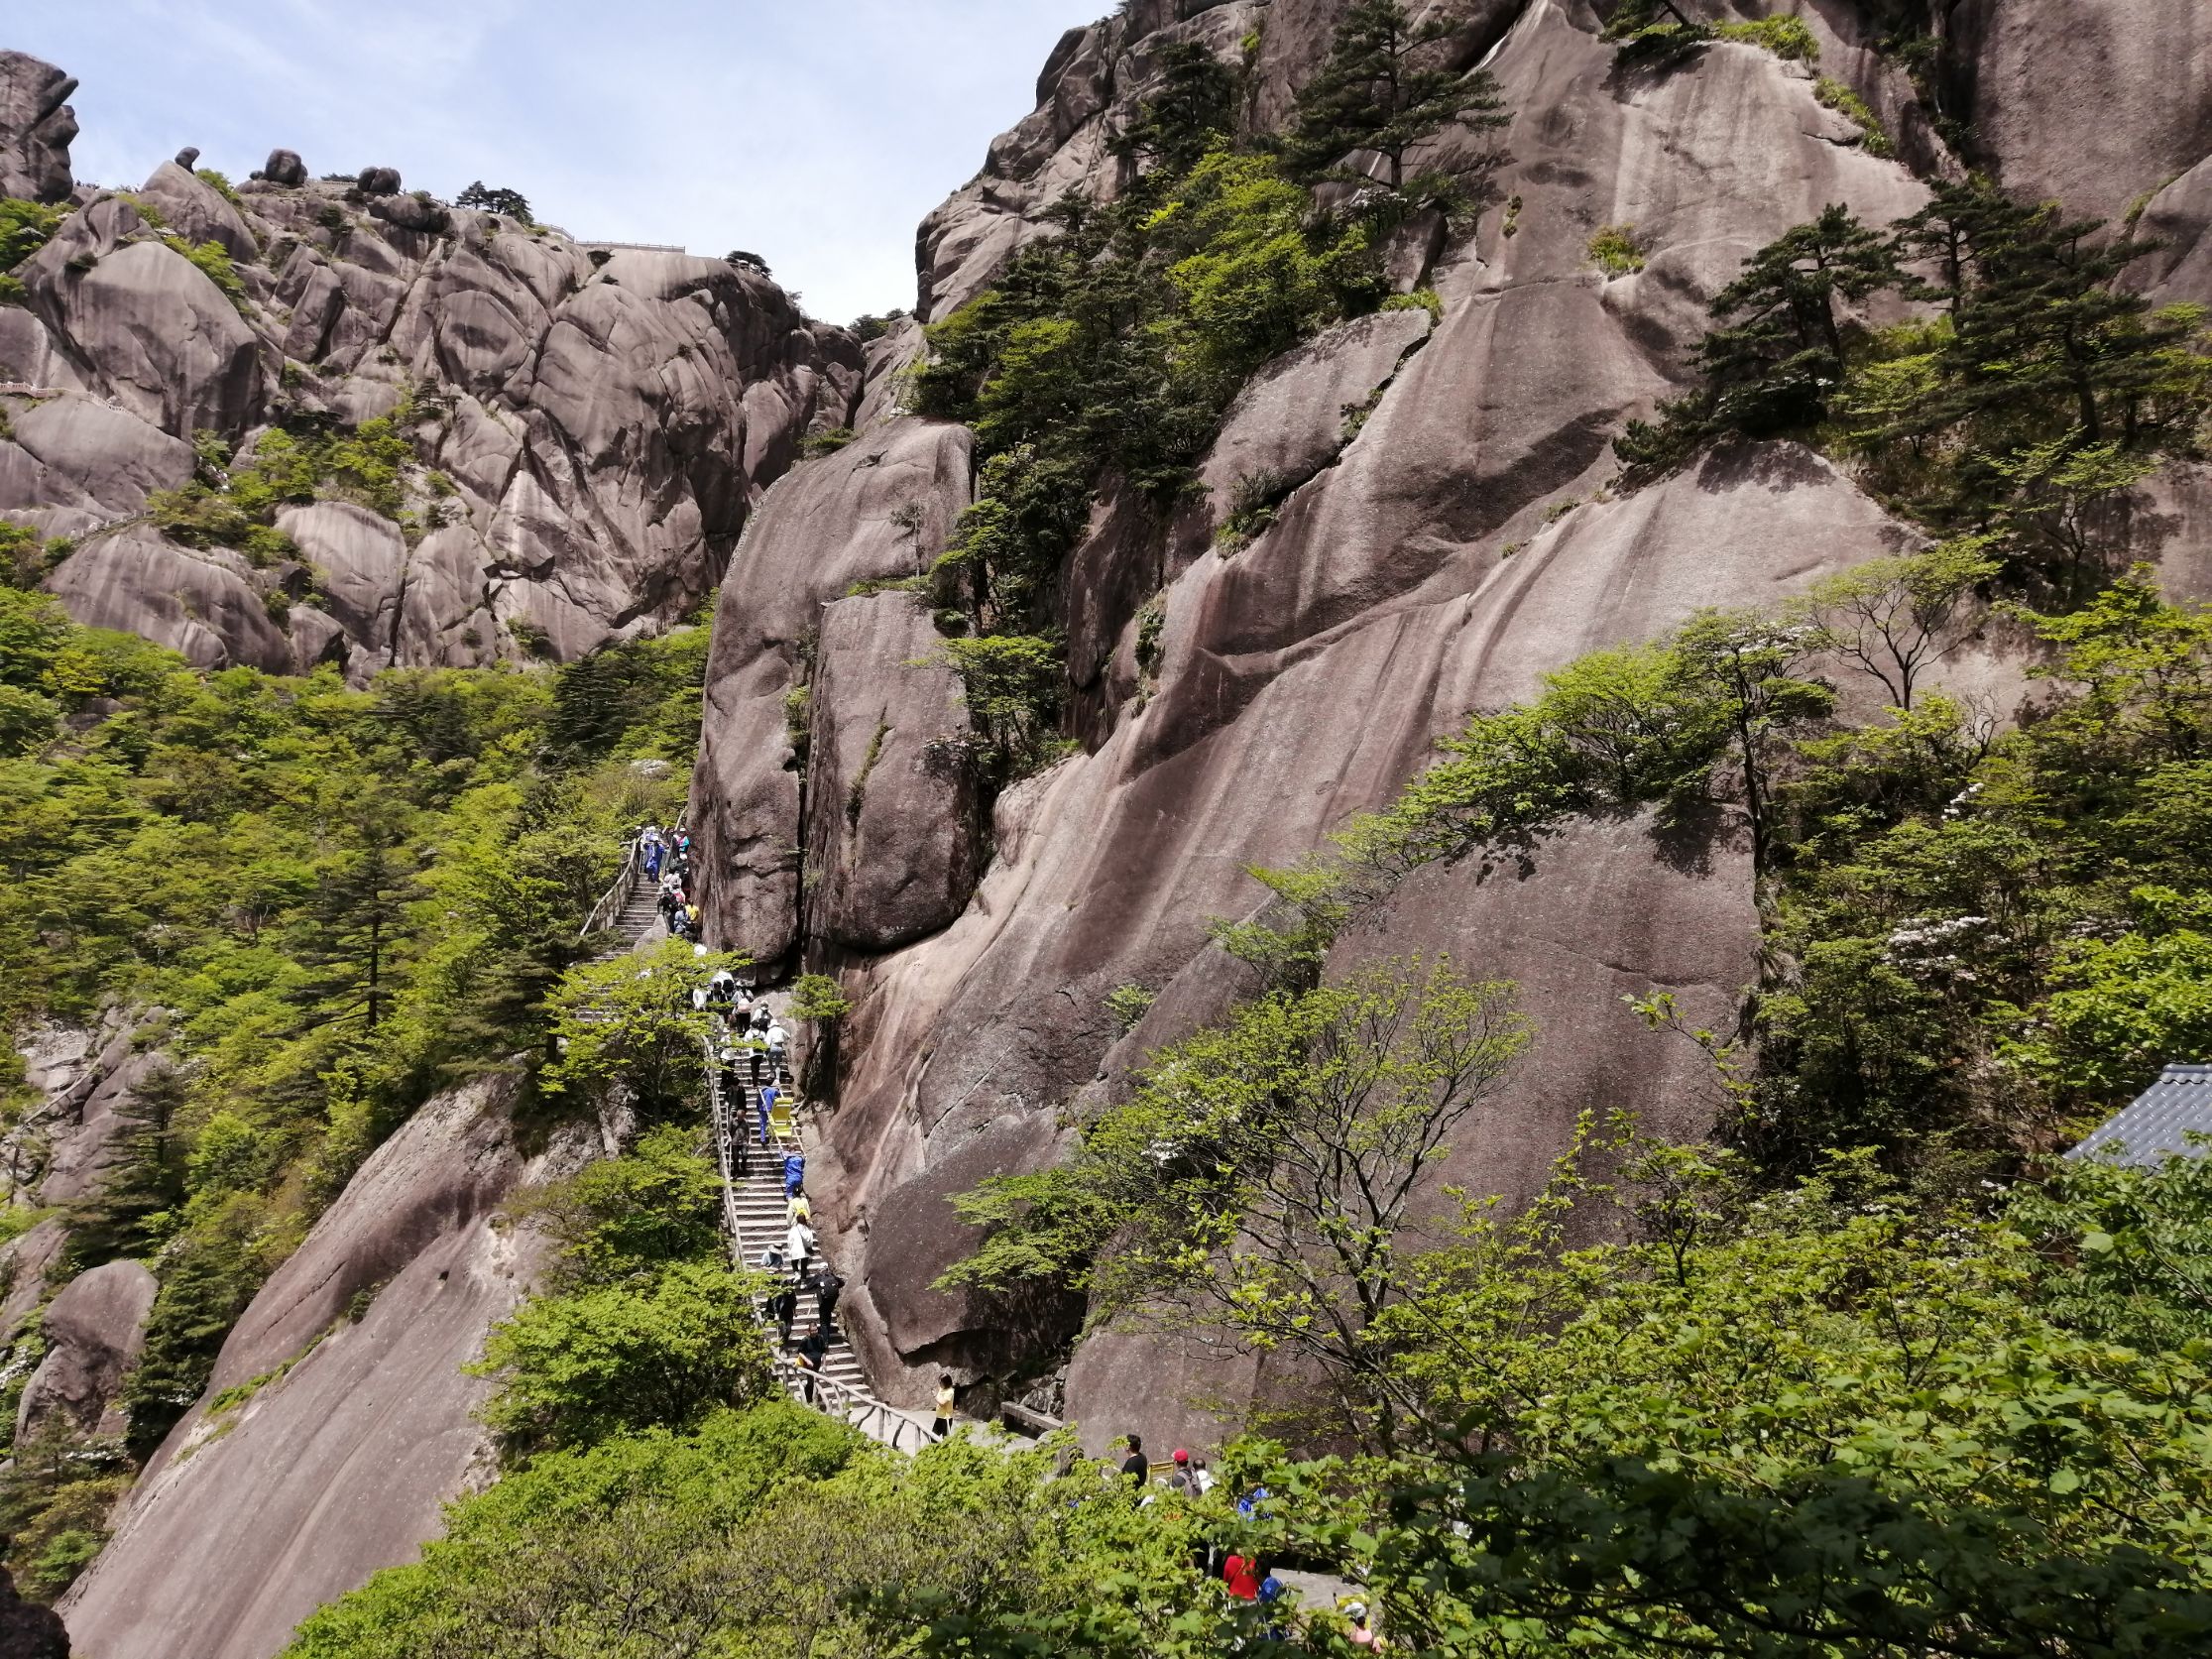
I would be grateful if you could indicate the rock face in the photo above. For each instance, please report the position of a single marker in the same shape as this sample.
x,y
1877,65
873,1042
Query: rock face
x,y
37,127
28,1631
94,1329
591,429
1438,555
361,1424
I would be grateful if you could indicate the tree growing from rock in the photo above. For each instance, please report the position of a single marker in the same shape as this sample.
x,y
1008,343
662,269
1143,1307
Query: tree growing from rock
x,y
1380,92
1780,355
511,203
1264,1176
1897,618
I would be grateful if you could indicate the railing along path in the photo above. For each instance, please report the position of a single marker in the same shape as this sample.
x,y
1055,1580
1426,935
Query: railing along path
x,y
847,1401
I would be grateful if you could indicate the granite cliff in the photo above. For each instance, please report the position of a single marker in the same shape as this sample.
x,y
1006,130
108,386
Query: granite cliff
x,y
587,426
599,436
1237,704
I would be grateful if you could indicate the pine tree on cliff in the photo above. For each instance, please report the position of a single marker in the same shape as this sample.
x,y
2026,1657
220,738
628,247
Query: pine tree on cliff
x,y
1377,93
1194,110
1781,354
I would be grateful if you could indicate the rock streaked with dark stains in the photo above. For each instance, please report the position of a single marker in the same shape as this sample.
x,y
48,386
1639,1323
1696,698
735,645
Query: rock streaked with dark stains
x,y
338,1466
283,167
880,509
893,843
93,1329
36,128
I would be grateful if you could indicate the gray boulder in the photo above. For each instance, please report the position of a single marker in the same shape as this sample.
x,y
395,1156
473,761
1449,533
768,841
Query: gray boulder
x,y
36,128
284,167
197,211
188,157
379,180
245,1523
28,1630
417,213
162,339
93,1331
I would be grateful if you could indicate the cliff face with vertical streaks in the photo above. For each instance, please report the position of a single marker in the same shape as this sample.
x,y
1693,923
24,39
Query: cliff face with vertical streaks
x,y
1460,543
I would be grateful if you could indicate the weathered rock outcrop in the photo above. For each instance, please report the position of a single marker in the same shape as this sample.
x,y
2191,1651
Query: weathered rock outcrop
x,y
357,1422
28,1631
1438,554
93,1331
36,128
592,426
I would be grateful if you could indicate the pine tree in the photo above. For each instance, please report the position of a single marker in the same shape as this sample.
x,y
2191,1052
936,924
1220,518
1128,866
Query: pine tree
x,y
1374,93
144,1185
1192,111
360,919
1781,354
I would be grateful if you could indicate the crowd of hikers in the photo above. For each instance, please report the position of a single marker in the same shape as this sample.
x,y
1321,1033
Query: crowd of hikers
x,y
666,856
751,1051
751,1055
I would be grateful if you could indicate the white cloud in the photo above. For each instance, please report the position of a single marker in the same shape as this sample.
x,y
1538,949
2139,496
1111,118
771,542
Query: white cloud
x,y
815,135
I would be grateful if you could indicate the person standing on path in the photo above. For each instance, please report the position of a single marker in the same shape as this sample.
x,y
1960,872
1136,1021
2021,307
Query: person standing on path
x,y
1134,1466
767,1107
946,1397
795,1172
785,1307
798,1246
827,1287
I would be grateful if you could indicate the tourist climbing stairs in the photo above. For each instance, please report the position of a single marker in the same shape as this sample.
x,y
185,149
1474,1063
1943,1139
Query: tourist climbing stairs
x,y
755,1214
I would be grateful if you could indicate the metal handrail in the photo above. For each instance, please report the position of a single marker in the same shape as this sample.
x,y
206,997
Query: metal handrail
x,y
874,1418
616,900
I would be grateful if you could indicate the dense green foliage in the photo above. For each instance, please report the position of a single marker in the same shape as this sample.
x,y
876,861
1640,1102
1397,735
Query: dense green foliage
x,y
316,906
640,1321
230,505
2037,388
25,227
1110,350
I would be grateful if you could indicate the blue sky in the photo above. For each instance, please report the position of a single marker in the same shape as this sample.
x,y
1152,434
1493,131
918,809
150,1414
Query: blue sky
x,y
815,135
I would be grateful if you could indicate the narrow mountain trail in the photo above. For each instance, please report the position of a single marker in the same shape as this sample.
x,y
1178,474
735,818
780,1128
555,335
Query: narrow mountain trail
x,y
755,1209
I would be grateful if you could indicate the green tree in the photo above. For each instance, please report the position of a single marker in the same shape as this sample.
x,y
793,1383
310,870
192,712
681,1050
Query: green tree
x,y
577,1366
513,203
1779,355
1193,110
1379,93
1266,1174
1898,617
626,1028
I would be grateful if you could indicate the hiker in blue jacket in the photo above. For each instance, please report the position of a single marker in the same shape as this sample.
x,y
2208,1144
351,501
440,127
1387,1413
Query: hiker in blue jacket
x,y
768,1106
795,1172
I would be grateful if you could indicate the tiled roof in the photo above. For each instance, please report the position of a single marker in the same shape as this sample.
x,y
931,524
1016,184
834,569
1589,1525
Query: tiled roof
x,y
2154,1125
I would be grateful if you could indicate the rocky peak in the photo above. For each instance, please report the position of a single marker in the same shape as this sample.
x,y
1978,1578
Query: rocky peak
x,y
573,437
37,127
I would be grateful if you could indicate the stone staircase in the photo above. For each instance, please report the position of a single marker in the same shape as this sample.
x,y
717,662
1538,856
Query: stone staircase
x,y
754,1213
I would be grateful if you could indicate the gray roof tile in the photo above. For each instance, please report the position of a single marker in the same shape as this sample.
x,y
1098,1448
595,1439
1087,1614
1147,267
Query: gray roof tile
x,y
2144,1132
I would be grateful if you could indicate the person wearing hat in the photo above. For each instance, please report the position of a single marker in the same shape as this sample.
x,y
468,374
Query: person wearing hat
x,y
1179,1479
1360,1636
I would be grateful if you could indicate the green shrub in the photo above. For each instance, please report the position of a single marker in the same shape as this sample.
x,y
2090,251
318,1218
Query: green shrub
x,y
25,228
1847,103
1129,1003
220,184
212,259
827,444
1614,249
576,1367
819,997
1787,38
